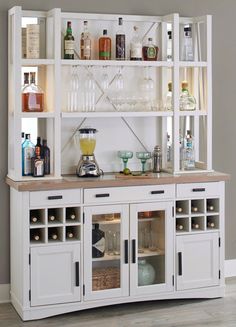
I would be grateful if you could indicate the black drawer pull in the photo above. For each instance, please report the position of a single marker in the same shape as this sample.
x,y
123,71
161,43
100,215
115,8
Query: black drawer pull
x,y
180,264
103,195
158,192
77,273
133,251
126,251
199,189
55,197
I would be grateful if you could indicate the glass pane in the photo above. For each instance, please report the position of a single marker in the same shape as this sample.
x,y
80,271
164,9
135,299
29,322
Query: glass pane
x,y
106,251
151,247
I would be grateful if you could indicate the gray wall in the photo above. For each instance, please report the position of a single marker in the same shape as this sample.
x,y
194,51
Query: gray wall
x,y
224,90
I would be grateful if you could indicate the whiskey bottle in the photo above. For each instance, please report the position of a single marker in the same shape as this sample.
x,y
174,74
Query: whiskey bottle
x,y
150,51
27,154
104,47
32,96
136,46
45,154
98,242
37,164
69,43
85,43
120,41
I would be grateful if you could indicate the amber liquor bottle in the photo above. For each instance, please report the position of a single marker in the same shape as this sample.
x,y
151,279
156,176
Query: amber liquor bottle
x,y
120,41
37,164
104,47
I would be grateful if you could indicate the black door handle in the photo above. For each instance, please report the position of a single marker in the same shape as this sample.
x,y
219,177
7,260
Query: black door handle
x,y
158,192
55,197
77,273
103,195
180,271
133,251
199,189
126,252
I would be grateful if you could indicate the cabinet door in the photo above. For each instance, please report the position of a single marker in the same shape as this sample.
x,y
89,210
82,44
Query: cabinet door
x,y
151,232
55,274
197,261
106,276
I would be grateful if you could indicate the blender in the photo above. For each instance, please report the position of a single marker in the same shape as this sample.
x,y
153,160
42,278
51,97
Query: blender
x,y
87,165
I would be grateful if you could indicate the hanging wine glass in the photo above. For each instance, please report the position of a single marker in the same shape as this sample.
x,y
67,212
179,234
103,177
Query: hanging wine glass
x,y
105,78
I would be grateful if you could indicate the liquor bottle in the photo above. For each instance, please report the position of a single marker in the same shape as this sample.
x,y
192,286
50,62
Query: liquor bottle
x,y
98,242
104,46
186,101
168,102
33,219
157,159
136,46
120,41
85,43
169,150
69,43
187,48
195,225
37,164
189,159
34,236
52,235
22,137
179,209
70,214
179,227
32,96
210,207
194,209
27,154
39,145
169,46
26,80
69,234
32,41
150,51
210,224
45,154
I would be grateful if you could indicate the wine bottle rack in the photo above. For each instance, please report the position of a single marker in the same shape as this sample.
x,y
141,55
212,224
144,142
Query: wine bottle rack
x,y
197,215
54,225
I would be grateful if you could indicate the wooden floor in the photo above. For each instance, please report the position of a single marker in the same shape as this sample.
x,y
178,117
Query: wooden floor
x,y
176,313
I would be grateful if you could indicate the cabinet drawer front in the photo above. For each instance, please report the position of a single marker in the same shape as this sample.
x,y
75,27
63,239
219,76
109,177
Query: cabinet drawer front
x,y
124,194
197,190
58,197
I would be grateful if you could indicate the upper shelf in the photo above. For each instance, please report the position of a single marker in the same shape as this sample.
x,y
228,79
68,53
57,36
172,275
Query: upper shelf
x,y
37,62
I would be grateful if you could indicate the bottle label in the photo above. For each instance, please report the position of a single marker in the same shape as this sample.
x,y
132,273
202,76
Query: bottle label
x,y
32,41
38,168
151,53
100,245
120,46
69,47
104,54
136,50
28,154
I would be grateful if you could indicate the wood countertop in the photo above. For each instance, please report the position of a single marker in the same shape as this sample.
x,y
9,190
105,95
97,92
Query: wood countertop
x,y
111,180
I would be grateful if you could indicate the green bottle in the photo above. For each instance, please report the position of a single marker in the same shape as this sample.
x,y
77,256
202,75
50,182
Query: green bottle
x,y
69,43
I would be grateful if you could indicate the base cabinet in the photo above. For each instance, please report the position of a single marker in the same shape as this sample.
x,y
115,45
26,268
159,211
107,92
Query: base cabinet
x,y
197,261
55,274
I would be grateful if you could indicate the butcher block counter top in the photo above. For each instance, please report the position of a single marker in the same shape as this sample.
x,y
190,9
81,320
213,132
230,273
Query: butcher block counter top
x,y
114,180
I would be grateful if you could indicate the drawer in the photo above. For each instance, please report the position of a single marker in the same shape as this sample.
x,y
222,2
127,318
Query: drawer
x,y
195,190
54,198
126,194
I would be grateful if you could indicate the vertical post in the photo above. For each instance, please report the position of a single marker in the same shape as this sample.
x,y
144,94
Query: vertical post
x,y
209,90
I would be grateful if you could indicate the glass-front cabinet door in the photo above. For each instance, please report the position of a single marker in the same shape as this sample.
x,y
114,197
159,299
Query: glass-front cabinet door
x,y
106,257
151,250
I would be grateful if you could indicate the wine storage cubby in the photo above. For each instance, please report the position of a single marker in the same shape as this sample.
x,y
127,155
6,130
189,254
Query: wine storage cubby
x,y
213,222
54,225
182,225
182,208
197,224
197,207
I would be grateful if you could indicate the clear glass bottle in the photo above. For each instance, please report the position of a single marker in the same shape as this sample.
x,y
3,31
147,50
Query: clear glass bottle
x,y
187,47
32,96
189,158
169,46
169,149
104,47
120,41
26,80
168,101
150,51
27,154
69,43
187,101
85,43
136,46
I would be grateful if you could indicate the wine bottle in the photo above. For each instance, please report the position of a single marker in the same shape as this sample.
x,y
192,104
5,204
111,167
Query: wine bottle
x,y
69,234
35,236
33,219
179,227
179,209
51,216
194,209
210,207
53,235
210,224
98,242
195,225
70,214
69,43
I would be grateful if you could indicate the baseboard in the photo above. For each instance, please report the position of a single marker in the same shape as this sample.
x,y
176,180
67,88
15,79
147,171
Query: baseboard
x,y
4,293
230,268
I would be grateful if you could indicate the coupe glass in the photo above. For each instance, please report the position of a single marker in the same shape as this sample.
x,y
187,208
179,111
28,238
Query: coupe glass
x,y
125,156
143,156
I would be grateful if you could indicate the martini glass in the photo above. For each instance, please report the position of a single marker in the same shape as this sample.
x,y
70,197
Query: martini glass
x,y
125,156
143,156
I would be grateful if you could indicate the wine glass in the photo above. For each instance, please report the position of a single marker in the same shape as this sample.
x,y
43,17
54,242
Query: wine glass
x,y
105,79
143,156
89,93
125,156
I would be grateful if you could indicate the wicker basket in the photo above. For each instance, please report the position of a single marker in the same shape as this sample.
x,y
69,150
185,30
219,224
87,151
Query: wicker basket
x,y
106,278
